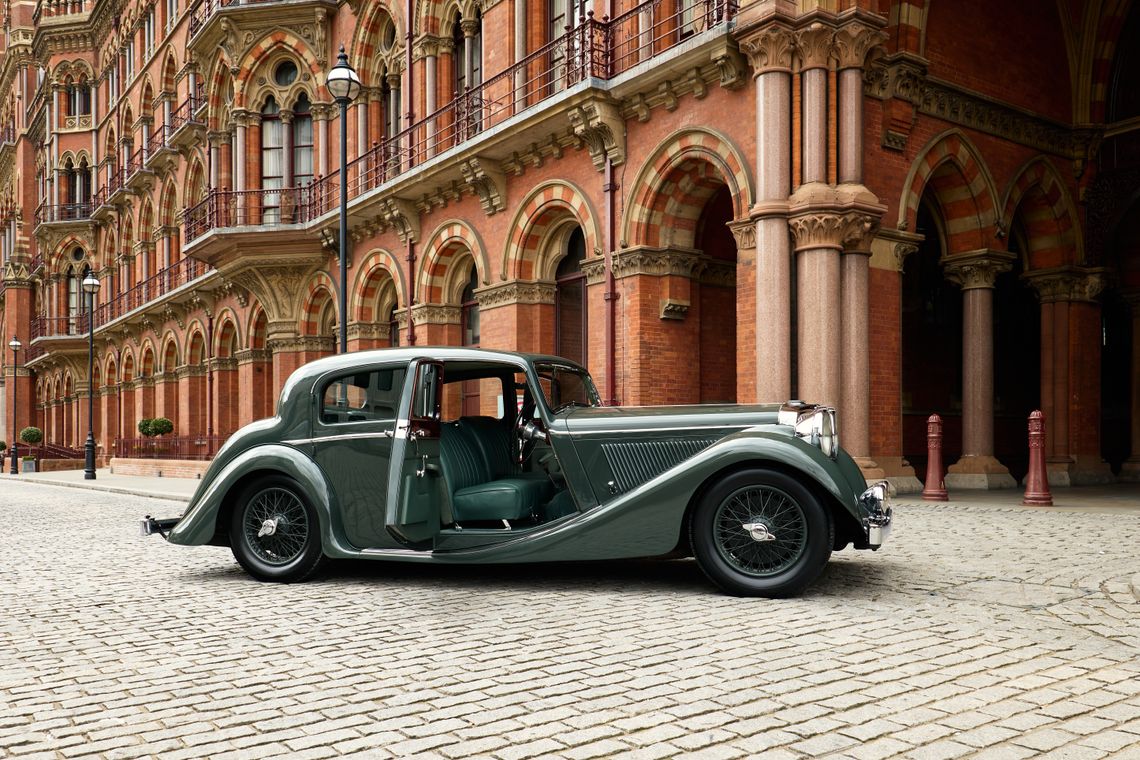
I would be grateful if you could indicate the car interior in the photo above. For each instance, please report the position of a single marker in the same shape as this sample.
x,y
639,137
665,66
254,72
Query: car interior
x,y
488,483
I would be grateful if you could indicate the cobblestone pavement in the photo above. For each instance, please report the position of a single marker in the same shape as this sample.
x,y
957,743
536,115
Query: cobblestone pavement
x,y
977,632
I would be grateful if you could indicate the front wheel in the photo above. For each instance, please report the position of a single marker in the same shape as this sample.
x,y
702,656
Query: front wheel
x,y
760,532
274,532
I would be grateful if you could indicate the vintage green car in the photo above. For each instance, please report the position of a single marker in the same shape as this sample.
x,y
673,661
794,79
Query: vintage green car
x,y
473,456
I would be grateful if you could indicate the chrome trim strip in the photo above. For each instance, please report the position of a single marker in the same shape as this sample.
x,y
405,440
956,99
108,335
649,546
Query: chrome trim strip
x,y
342,437
650,430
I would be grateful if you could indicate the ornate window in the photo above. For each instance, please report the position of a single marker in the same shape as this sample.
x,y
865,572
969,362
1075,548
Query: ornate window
x,y
272,160
302,126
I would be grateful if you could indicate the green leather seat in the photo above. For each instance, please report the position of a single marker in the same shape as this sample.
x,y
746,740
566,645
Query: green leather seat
x,y
475,493
497,443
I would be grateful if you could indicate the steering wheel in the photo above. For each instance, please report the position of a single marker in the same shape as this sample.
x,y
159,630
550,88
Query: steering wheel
x,y
528,430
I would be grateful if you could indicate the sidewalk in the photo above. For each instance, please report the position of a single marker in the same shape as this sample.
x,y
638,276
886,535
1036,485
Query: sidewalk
x,y
177,489
1114,498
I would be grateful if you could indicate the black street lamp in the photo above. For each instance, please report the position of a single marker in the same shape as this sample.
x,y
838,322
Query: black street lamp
x,y
90,287
15,345
344,86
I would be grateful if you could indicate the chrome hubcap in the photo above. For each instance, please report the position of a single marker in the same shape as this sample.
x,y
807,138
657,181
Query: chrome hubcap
x,y
269,527
759,531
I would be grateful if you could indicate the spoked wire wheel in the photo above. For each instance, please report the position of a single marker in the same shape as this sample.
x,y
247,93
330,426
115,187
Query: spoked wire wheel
x,y
276,526
760,530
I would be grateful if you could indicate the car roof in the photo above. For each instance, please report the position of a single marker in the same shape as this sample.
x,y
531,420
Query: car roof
x,y
408,353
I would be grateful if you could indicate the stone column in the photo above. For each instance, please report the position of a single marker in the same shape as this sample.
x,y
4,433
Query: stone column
x,y
769,50
1131,469
239,151
975,272
855,345
814,44
819,239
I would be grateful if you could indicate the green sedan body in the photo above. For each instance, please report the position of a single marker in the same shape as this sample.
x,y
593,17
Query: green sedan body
x,y
364,460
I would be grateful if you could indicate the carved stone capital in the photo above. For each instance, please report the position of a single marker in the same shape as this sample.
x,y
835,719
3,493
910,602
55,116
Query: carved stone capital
x,y
655,262
829,229
369,330
854,41
436,314
1067,284
744,230
814,45
594,269
190,370
249,355
977,269
302,343
515,292
769,49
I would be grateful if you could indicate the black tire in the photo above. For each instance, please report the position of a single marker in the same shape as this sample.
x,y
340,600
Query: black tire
x,y
760,532
293,551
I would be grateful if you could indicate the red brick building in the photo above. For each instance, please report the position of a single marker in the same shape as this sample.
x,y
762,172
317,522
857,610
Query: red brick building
x,y
898,208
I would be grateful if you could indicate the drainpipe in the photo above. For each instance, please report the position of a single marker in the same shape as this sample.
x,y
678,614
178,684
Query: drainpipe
x,y
611,296
209,379
411,283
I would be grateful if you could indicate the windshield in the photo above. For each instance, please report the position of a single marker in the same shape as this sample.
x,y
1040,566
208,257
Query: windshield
x,y
566,386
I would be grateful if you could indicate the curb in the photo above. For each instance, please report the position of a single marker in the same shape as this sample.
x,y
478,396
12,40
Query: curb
x,y
127,491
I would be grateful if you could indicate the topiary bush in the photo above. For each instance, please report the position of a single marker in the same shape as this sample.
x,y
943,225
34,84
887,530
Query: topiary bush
x,y
161,426
31,435
146,427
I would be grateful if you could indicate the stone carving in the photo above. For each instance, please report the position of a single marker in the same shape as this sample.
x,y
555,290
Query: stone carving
x,y
769,50
730,65
436,314
672,308
744,230
854,41
1067,283
976,269
487,181
276,288
655,262
827,229
515,292
814,45
402,216
599,124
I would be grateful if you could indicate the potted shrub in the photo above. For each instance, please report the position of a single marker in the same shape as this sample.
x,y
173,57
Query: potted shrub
x,y
31,436
161,426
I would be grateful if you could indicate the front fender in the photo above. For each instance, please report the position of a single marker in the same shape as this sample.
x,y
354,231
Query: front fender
x,y
199,523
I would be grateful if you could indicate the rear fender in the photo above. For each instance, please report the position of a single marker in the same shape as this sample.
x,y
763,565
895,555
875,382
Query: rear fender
x,y
200,522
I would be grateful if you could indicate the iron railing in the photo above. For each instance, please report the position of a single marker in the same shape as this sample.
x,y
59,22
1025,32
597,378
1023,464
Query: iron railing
x,y
172,447
64,212
594,49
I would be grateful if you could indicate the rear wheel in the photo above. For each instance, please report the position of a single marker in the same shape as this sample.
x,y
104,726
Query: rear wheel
x,y
274,532
761,533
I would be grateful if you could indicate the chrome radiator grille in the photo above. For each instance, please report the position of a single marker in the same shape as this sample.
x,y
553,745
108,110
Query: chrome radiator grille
x,y
635,463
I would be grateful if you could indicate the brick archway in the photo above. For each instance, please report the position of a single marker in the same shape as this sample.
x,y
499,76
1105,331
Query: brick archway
x,y
548,205
377,267
1039,199
446,246
275,40
675,183
953,170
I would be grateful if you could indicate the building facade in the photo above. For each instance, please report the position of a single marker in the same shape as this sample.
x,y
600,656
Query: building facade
x,y
899,207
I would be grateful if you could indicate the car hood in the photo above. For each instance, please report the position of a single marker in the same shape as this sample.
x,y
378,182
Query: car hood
x,y
648,418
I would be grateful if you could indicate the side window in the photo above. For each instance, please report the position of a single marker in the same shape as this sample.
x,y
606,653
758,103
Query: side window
x,y
372,396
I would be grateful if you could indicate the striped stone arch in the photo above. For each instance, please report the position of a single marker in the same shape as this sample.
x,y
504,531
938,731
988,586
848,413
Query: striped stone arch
x,y
146,220
171,352
432,15
219,93
952,168
194,190
277,39
170,71
1039,199
168,204
61,256
146,99
257,328
147,362
676,182
111,370
1113,14
546,208
435,278
370,277
365,53
227,336
128,360
319,292
195,344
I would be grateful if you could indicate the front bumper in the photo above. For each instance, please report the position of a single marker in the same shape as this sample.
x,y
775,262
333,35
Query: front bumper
x,y
875,503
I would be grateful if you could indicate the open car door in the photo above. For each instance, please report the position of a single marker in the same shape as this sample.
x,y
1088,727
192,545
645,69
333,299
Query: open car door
x,y
415,482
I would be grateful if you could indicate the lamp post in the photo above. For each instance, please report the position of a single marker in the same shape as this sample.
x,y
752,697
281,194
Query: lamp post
x,y
90,287
344,85
15,345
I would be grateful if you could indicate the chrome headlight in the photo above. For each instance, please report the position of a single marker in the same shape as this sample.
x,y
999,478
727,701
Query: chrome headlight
x,y
814,423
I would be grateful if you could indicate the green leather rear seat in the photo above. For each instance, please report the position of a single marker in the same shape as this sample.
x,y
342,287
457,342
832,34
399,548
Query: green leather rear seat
x,y
476,493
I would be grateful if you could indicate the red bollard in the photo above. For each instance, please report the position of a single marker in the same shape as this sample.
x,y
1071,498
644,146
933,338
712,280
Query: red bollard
x,y
1037,492
935,489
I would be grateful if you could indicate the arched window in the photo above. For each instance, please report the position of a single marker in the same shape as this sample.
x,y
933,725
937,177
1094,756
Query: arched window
x,y
470,309
570,312
391,100
75,293
468,46
302,141
272,160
